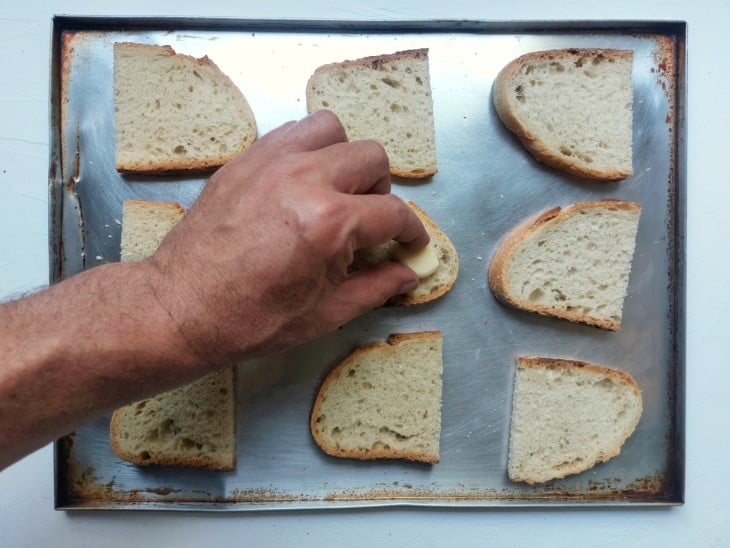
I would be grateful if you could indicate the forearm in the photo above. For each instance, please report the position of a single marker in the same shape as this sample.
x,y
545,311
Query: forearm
x,y
257,265
91,343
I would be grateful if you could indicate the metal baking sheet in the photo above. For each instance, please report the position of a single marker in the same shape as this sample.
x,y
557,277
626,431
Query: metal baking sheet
x,y
486,184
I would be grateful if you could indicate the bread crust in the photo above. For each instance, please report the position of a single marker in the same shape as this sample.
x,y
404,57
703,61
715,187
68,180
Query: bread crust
x,y
374,62
439,237
603,371
617,375
497,272
502,98
412,174
188,166
173,210
389,346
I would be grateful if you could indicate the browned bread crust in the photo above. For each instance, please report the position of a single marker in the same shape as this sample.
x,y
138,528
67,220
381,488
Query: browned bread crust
x,y
599,370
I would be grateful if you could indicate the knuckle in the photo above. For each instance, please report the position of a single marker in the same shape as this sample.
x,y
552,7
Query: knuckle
x,y
327,212
328,227
375,152
330,121
398,207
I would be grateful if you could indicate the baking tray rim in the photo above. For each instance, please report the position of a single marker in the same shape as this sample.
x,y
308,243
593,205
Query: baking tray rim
x,y
674,494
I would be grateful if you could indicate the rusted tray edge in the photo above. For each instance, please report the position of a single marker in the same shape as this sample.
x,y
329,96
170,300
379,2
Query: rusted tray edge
x,y
62,210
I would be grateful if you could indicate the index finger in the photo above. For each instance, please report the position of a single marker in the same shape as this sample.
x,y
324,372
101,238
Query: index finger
x,y
382,218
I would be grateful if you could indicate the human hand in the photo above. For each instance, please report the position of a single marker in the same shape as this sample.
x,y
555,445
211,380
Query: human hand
x,y
259,262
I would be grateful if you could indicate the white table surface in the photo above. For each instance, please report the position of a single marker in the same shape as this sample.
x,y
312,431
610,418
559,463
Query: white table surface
x,y
27,517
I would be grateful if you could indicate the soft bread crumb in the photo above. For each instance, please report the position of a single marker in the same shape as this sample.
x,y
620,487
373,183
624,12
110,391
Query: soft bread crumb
x,y
568,416
570,263
572,109
383,401
174,112
386,98
191,426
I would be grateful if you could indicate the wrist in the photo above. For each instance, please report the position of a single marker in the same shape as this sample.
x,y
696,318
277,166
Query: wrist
x,y
94,342
115,319
148,323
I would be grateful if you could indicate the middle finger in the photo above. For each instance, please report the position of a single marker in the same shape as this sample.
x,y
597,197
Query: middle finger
x,y
359,167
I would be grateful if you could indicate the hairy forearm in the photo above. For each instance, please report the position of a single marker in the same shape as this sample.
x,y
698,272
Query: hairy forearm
x,y
257,265
89,344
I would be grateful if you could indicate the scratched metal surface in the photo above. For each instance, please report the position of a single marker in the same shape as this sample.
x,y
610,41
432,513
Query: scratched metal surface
x,y
485,185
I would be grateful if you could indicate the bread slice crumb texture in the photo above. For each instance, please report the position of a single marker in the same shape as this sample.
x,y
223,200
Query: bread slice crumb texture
x,y
572,109
386,98
572,263
568,416
174,112
383,401
191,426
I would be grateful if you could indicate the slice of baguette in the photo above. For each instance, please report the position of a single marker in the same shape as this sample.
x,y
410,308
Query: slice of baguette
x,y
191,426
383,401
386,98
430,288
568,416
570,263
572,109
175,113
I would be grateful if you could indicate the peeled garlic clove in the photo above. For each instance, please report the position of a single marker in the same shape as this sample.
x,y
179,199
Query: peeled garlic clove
x,y
423,262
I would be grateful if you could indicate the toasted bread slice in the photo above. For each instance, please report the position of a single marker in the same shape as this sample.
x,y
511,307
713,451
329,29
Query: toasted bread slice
x,y
430,288
386,98
570,263
567,416
191,426
572,109
383,401
175,113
